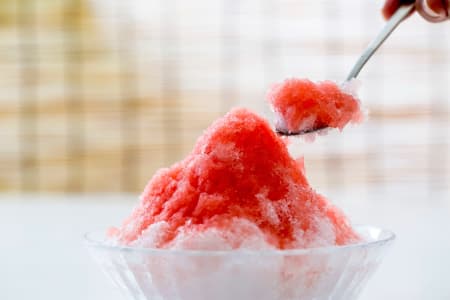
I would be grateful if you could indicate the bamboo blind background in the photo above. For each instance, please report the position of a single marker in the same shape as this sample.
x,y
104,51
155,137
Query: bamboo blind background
x,y
95,95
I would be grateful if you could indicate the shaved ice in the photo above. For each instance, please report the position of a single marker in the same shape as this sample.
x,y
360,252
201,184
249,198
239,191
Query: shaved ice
x,y
239,188
302,106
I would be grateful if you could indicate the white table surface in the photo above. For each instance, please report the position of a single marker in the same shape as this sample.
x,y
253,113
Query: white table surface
x,y
42,256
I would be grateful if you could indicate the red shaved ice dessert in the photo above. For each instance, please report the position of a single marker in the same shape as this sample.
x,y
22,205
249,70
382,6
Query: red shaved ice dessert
x,y
303,106
239,188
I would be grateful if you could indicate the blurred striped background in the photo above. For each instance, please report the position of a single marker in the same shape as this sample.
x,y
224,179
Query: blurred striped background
x,y
95,95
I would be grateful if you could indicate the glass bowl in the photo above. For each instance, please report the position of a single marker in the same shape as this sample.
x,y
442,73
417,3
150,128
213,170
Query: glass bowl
x,y
336,272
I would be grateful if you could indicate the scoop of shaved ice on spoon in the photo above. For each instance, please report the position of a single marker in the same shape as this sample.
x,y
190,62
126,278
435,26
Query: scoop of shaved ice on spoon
x,y
302,106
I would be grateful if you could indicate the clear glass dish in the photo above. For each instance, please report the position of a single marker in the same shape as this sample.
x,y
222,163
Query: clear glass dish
x,y
337,272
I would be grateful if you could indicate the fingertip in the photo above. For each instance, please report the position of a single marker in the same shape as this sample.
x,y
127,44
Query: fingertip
x,y
389,8
437,6
433,10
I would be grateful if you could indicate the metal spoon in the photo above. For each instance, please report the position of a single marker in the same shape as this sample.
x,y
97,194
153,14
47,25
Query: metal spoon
x,y
401,13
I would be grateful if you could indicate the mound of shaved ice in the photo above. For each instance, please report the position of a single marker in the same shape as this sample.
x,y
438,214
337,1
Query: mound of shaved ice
x,y
238,189
302,105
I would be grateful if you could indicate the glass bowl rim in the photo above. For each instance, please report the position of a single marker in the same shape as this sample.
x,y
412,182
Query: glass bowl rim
x,y
386,237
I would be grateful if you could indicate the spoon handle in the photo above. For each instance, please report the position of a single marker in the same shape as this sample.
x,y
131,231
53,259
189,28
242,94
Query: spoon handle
x,y
401,13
